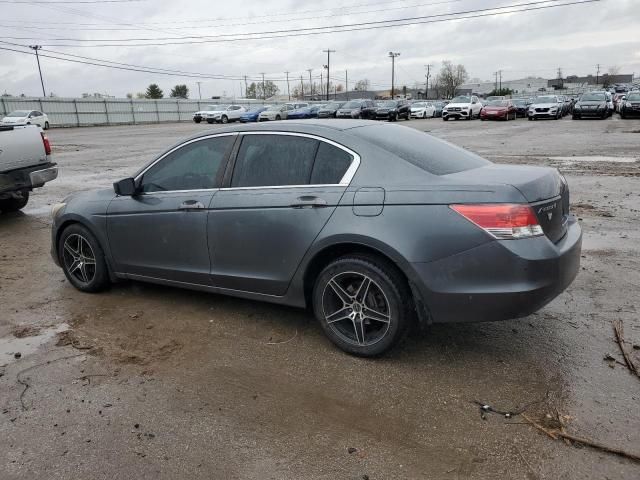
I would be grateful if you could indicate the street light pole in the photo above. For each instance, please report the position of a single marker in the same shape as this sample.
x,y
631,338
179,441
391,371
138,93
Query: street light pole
x,y
288,91
36,48
310,82
264,92
393,56
328,65
199,93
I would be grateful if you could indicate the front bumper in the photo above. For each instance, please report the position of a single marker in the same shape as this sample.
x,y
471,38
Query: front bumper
x,y
500,280
455,114
492,115
28,178
630,111
589,112
547,114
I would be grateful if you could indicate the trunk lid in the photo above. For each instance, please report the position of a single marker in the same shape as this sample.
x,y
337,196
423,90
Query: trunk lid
x,y
542,187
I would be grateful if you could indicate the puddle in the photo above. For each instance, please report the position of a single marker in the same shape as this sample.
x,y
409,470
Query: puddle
x,y
10,344
596,158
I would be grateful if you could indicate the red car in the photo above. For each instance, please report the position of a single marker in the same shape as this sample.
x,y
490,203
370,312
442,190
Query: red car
x,y
499,109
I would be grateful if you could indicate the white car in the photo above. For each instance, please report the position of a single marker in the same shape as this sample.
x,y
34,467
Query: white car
x,y
224,114
462,106
27,117
423,110
546,106
276,112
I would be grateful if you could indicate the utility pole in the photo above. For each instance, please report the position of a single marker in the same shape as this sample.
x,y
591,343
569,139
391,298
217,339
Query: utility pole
x,y
496,84
288,91
346,83
36,48
327,66
597,74
301,87
393,56
321,85
426,87
500,72
310,82
246,88
199,93
264,93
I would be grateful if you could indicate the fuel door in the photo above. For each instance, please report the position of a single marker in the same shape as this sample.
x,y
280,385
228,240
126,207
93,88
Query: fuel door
x,y
368,201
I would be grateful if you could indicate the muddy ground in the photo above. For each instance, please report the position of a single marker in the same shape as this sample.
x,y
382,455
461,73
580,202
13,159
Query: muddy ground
x,y
146,381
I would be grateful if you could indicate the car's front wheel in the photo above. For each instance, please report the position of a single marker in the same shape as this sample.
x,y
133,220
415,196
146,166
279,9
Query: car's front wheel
x,y
197,120
46,125
82,259
362,304
224,119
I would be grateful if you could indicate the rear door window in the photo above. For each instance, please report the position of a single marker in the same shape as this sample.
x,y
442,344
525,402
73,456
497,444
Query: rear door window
x,y
274,160
331,164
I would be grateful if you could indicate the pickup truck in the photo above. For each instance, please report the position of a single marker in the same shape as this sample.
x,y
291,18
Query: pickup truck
x,y
25,164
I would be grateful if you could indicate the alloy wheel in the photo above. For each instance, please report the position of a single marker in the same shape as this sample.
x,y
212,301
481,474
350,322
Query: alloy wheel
x,y
79,259
356,308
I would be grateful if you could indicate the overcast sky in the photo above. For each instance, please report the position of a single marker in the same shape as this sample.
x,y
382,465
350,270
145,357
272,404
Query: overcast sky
x,y
575,38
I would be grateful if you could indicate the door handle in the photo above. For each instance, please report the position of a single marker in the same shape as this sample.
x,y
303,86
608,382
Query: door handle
x,y
191,205
309,201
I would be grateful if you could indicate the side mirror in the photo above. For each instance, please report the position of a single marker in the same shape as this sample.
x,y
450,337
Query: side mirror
x,y
125,187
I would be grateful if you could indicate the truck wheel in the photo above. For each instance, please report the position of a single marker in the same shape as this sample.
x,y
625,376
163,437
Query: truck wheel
x,y
14,204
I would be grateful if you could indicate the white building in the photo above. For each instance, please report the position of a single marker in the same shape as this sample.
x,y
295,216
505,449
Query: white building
x,y
524,85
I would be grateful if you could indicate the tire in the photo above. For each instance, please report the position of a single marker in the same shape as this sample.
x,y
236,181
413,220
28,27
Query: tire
x,y
76,248
224,119
386,299
197,120
14,204
530,119
46,125
278,117
424,114
446,119
210,121
408,117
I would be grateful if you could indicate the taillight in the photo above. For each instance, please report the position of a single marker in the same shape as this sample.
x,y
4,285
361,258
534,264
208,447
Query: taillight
x,y
47,144
502,221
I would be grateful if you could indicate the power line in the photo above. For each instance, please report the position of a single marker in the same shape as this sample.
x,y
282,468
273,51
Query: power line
x,y
218,25
327,29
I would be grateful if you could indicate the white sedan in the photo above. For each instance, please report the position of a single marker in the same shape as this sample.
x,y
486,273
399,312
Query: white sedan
x,y
27,117
423,110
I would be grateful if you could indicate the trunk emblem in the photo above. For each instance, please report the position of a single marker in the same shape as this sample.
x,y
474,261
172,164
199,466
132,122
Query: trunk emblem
x,y
549,215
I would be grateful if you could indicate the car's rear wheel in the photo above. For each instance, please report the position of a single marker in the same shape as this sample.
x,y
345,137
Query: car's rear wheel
x,y
362,304
15,203
82,259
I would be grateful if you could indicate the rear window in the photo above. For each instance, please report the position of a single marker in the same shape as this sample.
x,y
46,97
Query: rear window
x,y
426,152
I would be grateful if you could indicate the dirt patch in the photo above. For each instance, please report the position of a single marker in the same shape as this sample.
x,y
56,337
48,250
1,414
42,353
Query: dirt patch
x,y
143,353
26,331
588,209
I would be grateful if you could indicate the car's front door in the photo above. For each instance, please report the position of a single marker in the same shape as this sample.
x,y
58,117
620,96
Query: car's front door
x,y
161,232
282,191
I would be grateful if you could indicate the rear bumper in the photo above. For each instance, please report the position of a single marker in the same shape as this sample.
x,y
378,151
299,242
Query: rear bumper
x,y
28,178
500,280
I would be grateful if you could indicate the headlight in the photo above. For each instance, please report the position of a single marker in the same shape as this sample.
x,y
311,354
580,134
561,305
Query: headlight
x,y
56,209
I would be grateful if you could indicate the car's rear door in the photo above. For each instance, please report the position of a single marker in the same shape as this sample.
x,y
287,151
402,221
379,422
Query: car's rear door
x,y
280,192
161,232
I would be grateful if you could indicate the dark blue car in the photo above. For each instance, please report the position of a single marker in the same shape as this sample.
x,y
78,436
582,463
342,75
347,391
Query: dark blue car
x,y
306,112
252,114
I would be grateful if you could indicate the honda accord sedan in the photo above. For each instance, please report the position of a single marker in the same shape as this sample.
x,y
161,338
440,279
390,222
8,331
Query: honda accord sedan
x,y
372,226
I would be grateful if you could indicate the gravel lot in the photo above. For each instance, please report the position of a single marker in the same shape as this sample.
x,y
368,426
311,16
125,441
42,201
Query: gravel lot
x,y
146,381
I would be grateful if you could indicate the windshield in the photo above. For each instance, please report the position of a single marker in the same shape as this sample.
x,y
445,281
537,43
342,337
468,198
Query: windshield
x,y
419,105
498,103
352,104
461,99
255,109
592,97
387,104
19,113
273,108
439,104
633,97
333,105
213,107
520,102
548,99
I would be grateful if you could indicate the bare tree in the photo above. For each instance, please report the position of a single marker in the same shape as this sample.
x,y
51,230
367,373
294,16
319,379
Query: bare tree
x,y
362,85
451,77
614,70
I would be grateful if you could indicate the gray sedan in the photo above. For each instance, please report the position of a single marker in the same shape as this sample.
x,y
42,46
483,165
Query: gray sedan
x,y
373,226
